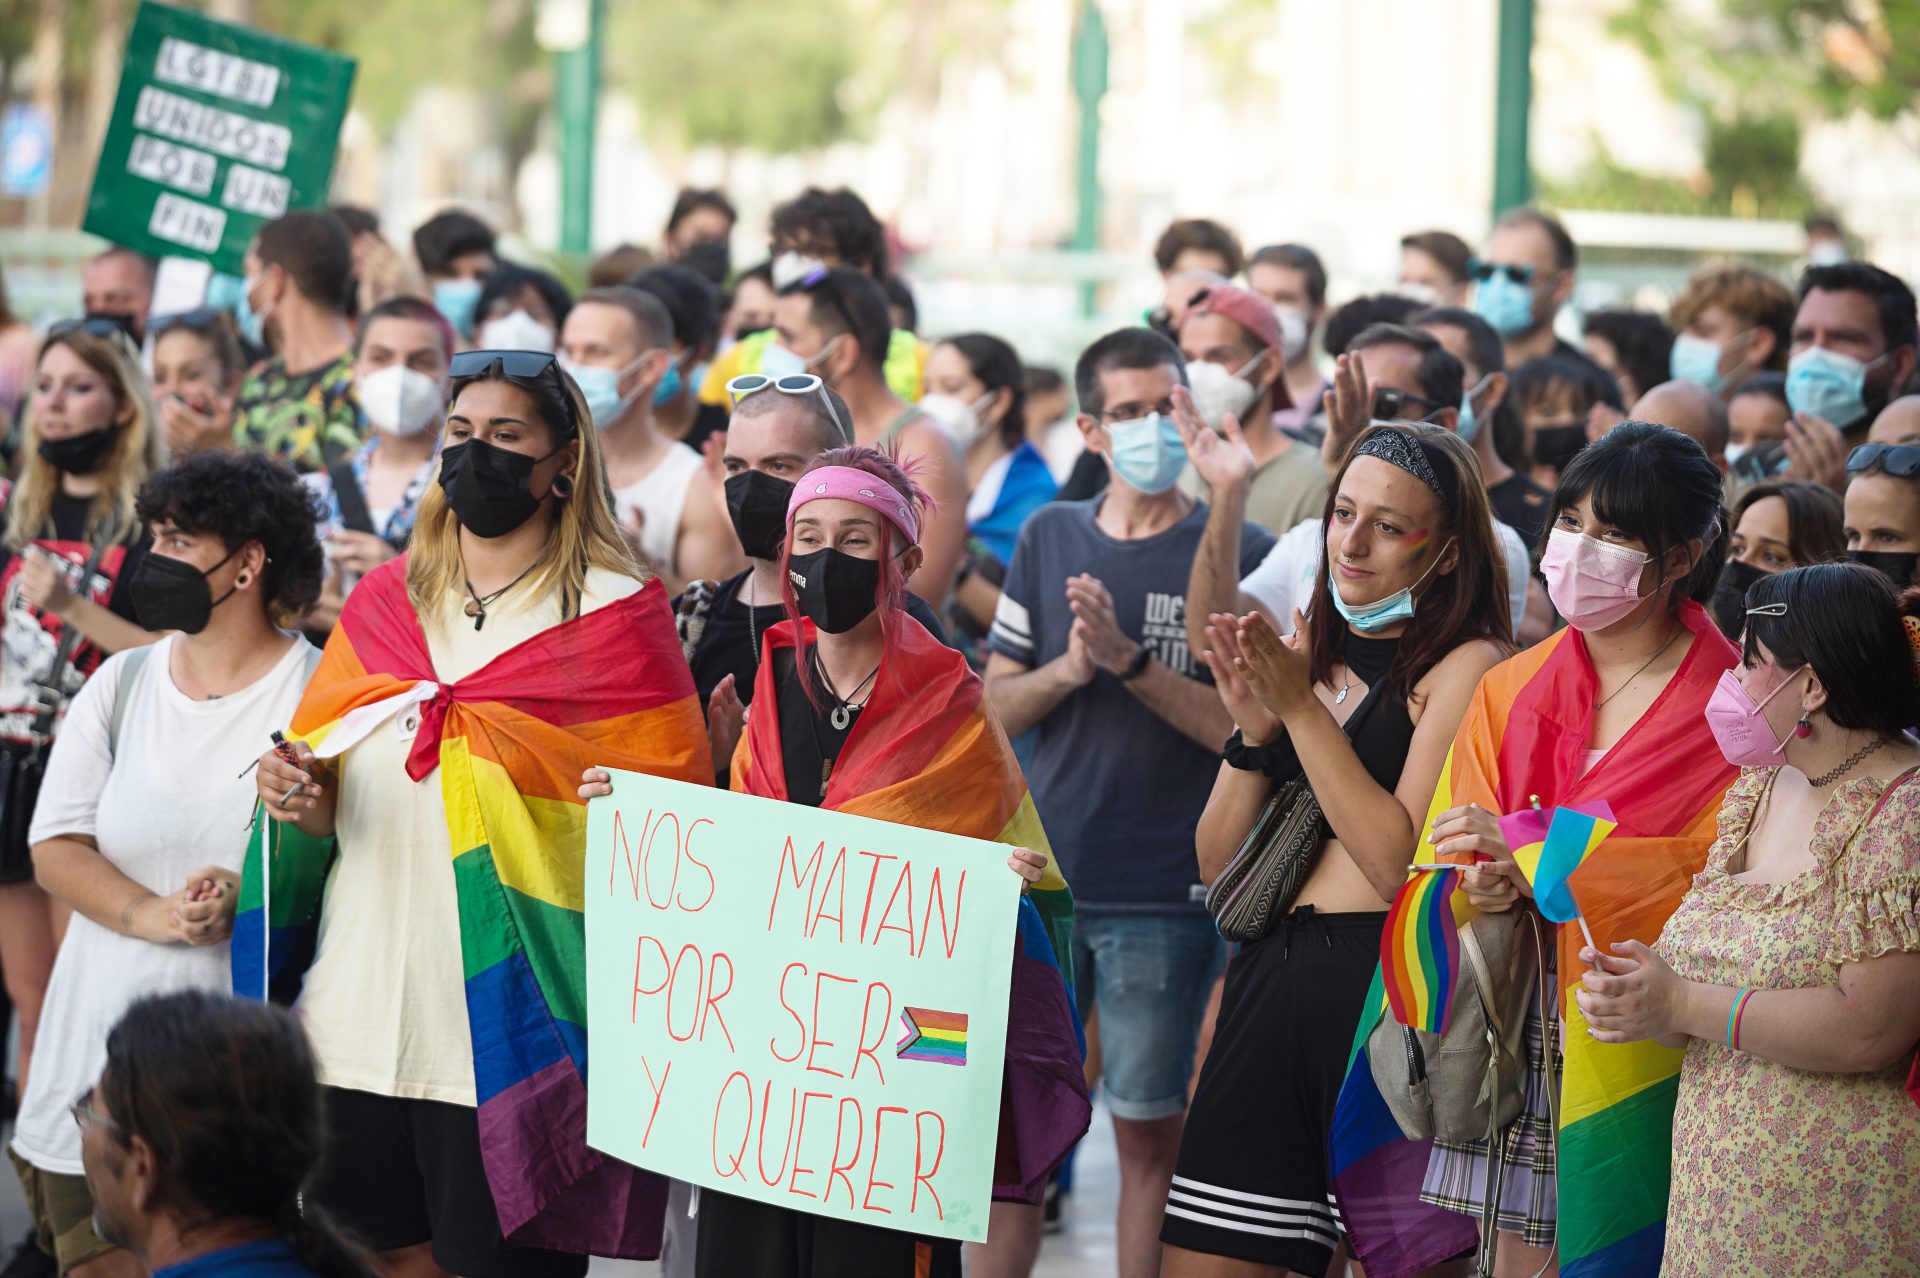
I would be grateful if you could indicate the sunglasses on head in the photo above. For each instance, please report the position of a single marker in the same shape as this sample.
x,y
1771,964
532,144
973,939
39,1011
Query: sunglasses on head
x,y
519,366
1390,405
103,327
1484,271
792,384
1902,461
821,278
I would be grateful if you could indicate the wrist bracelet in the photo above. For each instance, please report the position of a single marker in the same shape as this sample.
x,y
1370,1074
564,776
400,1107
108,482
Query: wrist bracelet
x,y
1242,757
1733,1016
1138,666
126,911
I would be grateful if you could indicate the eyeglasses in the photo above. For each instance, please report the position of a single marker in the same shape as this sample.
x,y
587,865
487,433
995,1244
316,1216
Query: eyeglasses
x,y
1390,405
1484,271
519,366
85,1116
792,384
1902,461
199,319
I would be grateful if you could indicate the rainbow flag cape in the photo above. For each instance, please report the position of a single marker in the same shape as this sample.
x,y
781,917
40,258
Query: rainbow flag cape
x,y
928,751
1523,735
1549,856
510,742
1420,950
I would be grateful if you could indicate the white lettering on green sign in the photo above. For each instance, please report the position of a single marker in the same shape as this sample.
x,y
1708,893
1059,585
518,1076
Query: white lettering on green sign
x,y
193,66
198,226
251,191
235,136
180,167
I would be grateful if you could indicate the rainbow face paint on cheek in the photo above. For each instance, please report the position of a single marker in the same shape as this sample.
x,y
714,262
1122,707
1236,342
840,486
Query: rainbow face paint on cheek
x,y
1418,543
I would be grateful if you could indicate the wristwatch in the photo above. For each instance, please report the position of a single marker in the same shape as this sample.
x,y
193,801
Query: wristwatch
x,y
1138,666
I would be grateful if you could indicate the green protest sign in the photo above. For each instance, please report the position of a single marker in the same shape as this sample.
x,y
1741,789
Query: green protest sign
x,y
216,129
798,1006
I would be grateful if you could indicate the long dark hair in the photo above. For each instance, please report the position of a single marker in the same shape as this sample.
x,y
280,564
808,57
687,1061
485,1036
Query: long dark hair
x,y
1656,485
1469,602
1844,621
223,1091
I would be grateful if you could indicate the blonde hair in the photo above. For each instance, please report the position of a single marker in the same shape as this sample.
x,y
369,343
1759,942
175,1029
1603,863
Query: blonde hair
x,y
585,533
137,451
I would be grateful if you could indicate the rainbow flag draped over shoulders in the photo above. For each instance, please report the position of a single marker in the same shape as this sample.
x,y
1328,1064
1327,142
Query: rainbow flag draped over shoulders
x,y
510,741
1524,735
929,752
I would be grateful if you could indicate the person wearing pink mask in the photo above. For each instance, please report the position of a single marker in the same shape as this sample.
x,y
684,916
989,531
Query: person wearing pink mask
x,y
1611,709
1787,973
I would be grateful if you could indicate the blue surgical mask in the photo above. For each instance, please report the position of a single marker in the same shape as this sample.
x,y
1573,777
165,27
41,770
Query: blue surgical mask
x,y
1504,303
600,387
776,361
1148,454
1829,385
1469,424
1695,359
253,324
1391,611
669,385
457,300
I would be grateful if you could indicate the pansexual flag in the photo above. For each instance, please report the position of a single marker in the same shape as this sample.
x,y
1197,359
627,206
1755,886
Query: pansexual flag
x,y
940,1037
1549,844
1420,950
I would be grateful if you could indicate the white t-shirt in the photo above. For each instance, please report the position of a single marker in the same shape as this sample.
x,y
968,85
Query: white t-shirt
x,y
176,797
661,497
385,1002
1284,579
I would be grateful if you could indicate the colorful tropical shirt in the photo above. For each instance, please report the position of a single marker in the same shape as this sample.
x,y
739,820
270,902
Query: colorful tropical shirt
x,y
304,419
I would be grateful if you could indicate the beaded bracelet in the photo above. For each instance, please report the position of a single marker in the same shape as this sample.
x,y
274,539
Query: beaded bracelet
x,y
1733,1016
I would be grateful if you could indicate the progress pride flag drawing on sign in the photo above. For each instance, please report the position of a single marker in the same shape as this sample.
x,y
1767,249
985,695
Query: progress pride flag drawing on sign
x,y
798,1006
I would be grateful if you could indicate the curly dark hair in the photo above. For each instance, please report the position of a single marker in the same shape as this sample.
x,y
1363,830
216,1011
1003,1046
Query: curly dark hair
x,y
241,498
818,221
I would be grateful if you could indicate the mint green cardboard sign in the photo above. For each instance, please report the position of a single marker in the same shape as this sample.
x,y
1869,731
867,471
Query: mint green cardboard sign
x,y
216,129
796,1005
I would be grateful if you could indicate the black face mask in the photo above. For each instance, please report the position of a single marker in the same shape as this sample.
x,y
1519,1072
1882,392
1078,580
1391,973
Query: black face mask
x,y
78,454
488,487
1729,605
1555,446
757,504
835,591
1896,566
710,258
171,594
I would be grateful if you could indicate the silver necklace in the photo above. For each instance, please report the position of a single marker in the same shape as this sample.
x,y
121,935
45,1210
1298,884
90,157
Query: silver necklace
x,y
842,713
1340,697
1642,670
753,631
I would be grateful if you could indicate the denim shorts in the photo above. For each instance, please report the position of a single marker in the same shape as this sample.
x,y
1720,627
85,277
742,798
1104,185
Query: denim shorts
x,y
1150,975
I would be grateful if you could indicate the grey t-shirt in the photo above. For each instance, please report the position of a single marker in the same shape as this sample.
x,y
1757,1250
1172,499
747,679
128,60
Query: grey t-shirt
x,y
1118,788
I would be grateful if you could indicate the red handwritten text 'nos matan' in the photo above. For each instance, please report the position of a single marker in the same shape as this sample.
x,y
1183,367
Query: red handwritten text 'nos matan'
x,y
826,899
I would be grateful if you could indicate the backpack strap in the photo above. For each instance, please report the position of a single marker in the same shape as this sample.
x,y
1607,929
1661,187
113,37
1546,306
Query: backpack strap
x,y
123,694
355,515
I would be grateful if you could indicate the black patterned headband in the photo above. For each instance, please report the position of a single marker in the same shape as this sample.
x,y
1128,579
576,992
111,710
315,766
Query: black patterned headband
x,y
1397,448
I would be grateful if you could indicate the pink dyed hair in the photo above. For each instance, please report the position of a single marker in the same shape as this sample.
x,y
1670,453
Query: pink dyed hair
x,y
891,595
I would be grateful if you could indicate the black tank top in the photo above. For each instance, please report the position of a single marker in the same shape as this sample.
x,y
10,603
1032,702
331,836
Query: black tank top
x,y
1380,728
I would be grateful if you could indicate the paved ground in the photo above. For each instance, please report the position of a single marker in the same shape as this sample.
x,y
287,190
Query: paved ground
x,y
1084,1250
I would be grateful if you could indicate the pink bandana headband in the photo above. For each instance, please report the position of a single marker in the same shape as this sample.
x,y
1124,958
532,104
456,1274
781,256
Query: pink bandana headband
x,y
848,484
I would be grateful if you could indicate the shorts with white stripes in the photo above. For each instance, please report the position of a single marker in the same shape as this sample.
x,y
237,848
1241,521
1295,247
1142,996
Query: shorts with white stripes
x,y
1253,1181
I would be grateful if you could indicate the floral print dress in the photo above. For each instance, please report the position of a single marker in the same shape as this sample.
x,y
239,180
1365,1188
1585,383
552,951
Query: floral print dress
x,y
1780,1171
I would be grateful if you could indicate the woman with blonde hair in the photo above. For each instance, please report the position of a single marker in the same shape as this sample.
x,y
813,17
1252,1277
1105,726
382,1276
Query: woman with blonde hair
x,y
515,643
70,546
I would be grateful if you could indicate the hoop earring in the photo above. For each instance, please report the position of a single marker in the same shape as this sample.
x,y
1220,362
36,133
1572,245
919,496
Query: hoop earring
x,y
562,487
243,579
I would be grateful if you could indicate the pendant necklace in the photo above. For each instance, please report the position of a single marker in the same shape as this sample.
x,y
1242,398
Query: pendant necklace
x,y
477,603
1340,697
842,713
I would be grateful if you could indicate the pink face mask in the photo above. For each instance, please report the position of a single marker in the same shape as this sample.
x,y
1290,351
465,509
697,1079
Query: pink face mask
x,y
1591,583
1738,726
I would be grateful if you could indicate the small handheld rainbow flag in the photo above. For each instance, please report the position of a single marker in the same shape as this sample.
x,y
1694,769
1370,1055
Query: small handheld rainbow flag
x,y
940,1037
1420,948
1549,845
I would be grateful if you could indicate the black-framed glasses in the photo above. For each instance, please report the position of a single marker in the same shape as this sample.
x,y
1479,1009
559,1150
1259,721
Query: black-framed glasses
x,y
792,384
1481,272
520,366
1391,405
85,1115
1902,461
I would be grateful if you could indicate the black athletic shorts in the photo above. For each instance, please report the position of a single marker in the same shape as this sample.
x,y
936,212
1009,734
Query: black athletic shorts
x,y
402,1172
